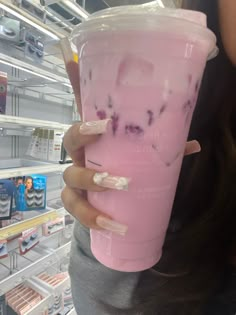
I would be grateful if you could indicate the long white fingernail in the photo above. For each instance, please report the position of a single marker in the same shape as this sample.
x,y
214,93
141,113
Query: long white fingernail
x,y
111,225
112,182
94,127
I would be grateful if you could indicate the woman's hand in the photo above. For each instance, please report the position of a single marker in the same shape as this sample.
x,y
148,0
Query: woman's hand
x,y
78,179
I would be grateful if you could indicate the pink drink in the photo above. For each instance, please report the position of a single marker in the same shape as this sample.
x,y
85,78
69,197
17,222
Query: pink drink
x,y
147,82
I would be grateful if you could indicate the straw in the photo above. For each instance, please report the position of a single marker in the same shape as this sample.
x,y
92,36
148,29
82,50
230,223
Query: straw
x,y
72,68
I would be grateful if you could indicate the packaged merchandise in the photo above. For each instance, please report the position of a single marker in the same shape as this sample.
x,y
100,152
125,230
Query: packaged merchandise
x,y
52,227
34,48
3,92
55,145
32,151
22,299
31,195
16,216
6,196
46,144
28,240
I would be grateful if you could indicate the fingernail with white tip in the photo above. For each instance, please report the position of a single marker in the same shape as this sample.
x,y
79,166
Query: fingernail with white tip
x,y
113,182
112,226
94,127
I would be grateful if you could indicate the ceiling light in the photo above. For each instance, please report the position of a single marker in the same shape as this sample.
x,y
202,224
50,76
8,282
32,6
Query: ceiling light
x,y
75,8
160,3
27,70
28,21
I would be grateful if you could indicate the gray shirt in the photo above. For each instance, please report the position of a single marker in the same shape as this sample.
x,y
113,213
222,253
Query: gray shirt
x,y
98,290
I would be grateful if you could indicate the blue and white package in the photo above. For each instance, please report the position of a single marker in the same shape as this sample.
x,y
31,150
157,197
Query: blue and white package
x,y
31,195
6,195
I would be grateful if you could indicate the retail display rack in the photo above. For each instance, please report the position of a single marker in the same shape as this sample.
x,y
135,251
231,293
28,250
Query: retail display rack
x,y
39,96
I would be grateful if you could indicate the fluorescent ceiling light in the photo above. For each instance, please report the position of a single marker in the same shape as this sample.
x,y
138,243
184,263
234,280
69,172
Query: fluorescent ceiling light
x,y
28,21
160,3
75,8
27,70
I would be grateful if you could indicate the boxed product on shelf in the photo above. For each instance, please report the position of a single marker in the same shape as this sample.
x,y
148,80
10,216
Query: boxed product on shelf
x,y
3,92
54,226
34,48
46,144
26,298
31,194
7,189
16,217
55,145
28,240
59,286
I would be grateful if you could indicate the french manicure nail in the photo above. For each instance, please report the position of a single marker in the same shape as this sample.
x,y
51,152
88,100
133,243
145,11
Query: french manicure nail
x,y
94,127
111,225
192,147
113,182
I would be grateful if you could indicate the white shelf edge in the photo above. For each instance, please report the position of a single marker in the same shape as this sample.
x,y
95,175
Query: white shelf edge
x,y
58,290
72,312
40,169
38,266
33,69
31,122
44,303
16,228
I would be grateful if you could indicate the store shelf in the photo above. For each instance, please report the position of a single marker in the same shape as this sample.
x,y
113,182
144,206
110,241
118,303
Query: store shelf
x,y
47,299
37,71
6,120
55,290
41,169
35,221
35,268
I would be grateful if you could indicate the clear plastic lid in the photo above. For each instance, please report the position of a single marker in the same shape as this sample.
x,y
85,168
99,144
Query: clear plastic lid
x,y
191,24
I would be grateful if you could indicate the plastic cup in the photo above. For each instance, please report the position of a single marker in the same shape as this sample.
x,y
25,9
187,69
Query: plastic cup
x,y
142,68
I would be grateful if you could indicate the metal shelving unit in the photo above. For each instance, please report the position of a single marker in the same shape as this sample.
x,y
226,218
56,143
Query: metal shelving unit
x,y
35,221
35,268
39,96
7,120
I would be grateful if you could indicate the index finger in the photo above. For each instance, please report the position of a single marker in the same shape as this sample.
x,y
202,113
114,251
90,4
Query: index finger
x,y
82,134
74,142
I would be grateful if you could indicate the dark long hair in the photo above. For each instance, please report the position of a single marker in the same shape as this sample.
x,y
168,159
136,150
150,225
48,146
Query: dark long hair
x,y
202,231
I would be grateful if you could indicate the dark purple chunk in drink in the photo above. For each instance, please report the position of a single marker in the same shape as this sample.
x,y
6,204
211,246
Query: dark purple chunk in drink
x,y
134,130
110,102
197,86
90,74
114,123
95,106
187,106
190,77
150,117
101,114
85,81
163,108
